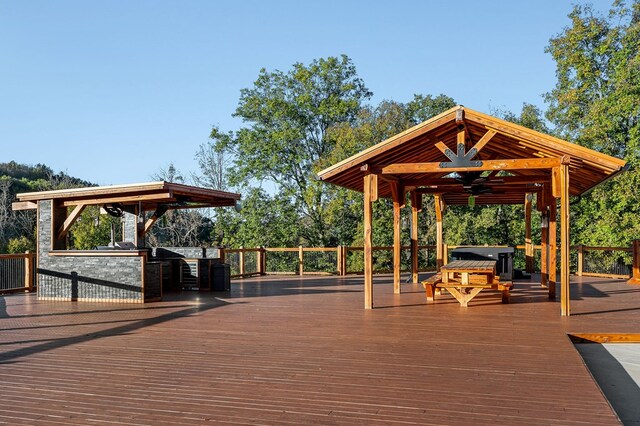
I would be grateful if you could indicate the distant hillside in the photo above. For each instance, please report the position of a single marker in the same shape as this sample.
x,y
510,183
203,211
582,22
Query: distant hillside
x,y
17,229
40,177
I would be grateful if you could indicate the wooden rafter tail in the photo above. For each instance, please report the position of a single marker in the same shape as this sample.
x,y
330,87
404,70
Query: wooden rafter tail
x,y
23,205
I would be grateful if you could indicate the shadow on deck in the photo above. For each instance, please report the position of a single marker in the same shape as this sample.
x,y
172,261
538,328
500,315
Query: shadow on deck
x,y
303,350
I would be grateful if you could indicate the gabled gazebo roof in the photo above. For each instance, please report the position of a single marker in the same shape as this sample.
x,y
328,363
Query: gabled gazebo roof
x,y
418,158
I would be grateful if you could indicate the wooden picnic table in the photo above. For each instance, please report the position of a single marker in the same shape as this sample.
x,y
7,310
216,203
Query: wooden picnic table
x,y
465,279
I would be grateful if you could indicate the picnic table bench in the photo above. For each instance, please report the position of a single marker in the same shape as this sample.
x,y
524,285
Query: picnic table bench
x,y
465,279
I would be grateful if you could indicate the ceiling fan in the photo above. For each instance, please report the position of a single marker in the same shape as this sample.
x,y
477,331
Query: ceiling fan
x,y
473,182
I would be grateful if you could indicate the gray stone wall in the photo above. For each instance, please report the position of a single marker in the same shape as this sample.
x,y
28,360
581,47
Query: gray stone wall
x,y
186,252
152,280
84,277
213,253
174,252
129,229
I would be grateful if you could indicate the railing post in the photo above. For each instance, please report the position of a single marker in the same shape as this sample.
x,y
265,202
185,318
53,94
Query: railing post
x,y
259,261
635,272
301,260
28,270
345,250
339,260
221,254
580,260
263,252
241,260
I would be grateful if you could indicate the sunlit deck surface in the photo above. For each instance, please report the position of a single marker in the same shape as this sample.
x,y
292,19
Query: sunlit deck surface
x,y
301,351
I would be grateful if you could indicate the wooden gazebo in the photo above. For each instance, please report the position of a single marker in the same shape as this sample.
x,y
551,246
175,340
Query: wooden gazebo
x,y
462,153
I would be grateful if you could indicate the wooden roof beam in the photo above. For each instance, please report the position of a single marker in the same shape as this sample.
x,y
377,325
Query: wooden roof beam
x,y
70,220
23,205
500,180
163,197
483,141
513,164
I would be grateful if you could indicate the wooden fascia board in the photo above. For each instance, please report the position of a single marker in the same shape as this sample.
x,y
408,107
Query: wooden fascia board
x,y
519,132
113,190
511,164
392,142
198,206
187,190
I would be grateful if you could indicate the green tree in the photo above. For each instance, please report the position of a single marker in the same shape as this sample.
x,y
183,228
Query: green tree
x,y
264,220
596,103
20,245
93,229
287,116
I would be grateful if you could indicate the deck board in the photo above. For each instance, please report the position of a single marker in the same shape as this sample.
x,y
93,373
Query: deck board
x,y
282,350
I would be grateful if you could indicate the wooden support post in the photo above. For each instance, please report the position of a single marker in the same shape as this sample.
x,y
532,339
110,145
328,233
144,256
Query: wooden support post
x,y
300,261
221,253
564,241
553,247
544,251
528,245
397,247
339,260
241,260
416,206
580,260
635,272
28,270
58,218
370,194
397,195
445,254
439,243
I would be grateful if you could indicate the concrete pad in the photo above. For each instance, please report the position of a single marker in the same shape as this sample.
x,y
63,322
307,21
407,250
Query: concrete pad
x,y
616,369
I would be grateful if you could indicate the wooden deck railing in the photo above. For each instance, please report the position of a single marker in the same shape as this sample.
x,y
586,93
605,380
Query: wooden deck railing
x,y
341,260
609,262
17,272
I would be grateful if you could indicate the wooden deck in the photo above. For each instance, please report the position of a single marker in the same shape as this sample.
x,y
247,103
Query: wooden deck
x,y
303,351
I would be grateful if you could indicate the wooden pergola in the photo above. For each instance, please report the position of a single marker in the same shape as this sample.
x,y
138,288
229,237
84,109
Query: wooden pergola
x,y
122,271
134,199
462,153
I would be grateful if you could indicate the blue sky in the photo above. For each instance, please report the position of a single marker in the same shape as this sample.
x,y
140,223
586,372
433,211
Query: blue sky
x,y
111,91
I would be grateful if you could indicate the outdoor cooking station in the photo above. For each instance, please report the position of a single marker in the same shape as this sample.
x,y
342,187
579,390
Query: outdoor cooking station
x,y
128,274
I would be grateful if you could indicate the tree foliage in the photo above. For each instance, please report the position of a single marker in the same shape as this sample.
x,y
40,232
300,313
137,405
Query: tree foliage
x,y
596,103
287,116
17,228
